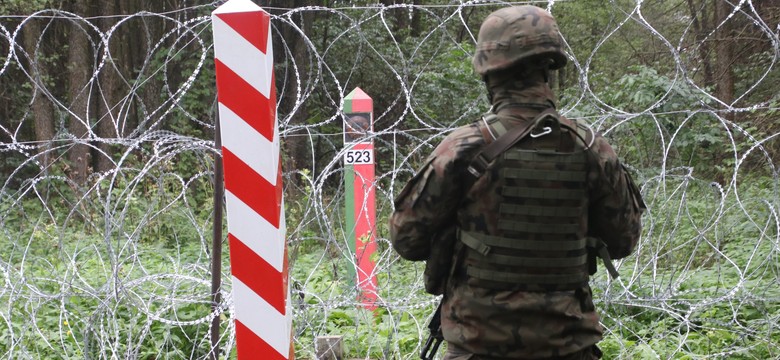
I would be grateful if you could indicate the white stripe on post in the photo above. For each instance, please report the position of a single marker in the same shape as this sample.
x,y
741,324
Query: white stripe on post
x,y
255,231
245,59
246,143
256,314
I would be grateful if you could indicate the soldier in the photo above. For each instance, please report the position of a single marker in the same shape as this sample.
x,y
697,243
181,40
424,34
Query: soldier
x,y
527,222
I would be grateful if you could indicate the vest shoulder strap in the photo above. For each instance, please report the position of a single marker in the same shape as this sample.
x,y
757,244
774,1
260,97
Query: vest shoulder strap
x,y
495,148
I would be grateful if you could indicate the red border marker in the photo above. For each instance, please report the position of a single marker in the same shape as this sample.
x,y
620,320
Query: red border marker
x,y
359,181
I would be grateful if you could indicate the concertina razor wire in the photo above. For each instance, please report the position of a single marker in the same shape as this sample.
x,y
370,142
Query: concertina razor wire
x,y
114,262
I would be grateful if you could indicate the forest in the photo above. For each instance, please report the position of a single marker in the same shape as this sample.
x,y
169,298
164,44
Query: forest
x,y
107,153
128,68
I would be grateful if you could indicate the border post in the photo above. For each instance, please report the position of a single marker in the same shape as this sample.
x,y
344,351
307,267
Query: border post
x,y
359,184
253,180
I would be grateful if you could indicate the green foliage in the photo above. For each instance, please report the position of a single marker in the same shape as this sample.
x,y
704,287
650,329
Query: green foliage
x,y
24,6
110,271
447,86
387,332
657,113
71,327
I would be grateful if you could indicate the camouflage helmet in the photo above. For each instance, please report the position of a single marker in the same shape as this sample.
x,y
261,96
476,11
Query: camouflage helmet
x,y
515,34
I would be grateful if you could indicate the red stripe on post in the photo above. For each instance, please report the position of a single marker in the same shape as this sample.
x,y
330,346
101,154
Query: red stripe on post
x,y
246,101
251,346
365,218
252,26
257,274
361,102
254,190
361,105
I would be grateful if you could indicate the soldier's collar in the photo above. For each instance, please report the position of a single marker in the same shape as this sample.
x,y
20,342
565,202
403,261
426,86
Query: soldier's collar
x,y
535,104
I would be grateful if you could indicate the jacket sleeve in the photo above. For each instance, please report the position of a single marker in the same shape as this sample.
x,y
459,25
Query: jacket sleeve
x,y
616,205
408,233
429,201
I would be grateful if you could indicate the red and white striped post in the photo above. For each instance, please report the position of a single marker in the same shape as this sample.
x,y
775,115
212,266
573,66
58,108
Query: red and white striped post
x,y
253,180
359,181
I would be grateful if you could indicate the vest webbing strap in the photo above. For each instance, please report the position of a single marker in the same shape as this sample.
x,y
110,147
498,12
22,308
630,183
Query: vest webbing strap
x,y
512,225
537,156
540,210
474,243
549,175
484,243
534,193
557,262
500,276
499,128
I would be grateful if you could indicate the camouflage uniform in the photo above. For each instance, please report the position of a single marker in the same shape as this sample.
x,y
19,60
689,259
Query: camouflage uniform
x,y
485,323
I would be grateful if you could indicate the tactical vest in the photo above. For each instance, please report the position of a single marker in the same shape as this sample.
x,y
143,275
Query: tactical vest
x,y
541,242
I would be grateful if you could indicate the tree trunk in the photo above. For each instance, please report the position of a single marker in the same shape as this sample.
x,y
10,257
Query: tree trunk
x,y
42,110
79,65
297,148
109,109
463,29
400,18
724,76
703,52
403,22
132,58
416,25
151,90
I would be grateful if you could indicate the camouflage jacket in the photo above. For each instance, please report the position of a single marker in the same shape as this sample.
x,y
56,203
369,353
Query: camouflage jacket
x,y
501,323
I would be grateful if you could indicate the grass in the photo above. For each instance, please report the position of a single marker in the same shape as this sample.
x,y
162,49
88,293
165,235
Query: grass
x,y
703,285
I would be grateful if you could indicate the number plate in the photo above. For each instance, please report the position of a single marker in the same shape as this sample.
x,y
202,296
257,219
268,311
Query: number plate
x,y
364,156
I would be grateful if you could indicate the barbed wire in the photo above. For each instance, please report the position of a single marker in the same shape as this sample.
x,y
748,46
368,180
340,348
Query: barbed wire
x,y
117,265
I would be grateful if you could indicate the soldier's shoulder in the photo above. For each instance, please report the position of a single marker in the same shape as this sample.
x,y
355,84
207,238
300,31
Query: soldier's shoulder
x,y
602,147
595,141
466,132
461,143
464,136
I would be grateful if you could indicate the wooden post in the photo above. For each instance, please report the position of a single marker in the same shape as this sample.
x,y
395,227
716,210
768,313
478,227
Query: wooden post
x,y
216,246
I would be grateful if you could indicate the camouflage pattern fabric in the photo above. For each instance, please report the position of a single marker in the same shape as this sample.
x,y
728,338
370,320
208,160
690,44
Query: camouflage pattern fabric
x,y
518,34
504,323
456,353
